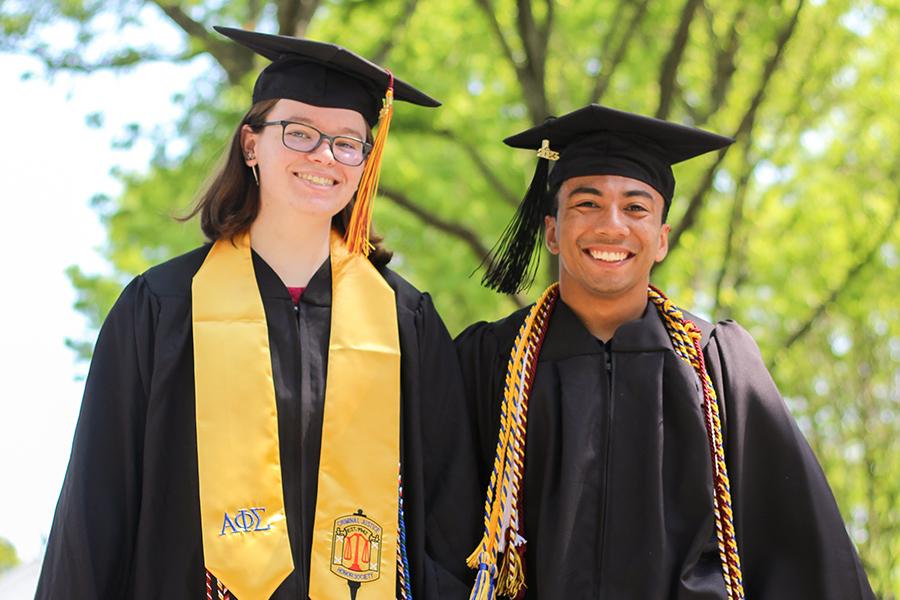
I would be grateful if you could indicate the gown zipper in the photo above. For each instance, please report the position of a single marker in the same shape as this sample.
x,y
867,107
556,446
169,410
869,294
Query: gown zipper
x,y
607,443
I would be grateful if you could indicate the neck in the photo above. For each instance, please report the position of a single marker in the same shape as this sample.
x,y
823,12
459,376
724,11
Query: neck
x,y
603,315
295,246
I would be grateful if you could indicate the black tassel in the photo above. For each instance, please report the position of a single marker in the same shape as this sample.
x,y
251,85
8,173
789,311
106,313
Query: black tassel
x,y
512,264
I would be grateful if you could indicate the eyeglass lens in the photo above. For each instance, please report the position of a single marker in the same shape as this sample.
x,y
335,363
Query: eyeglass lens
x,y
303,138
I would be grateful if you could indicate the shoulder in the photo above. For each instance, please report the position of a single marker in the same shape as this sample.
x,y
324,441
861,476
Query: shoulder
x,y
139,301
733,339
735,358
417,317
409,298
743,372
496,336
173,277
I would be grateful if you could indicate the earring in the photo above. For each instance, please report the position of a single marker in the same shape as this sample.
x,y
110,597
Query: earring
x,y
250,156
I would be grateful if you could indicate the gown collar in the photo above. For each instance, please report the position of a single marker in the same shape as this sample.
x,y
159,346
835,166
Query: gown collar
x,y
317,292
568,337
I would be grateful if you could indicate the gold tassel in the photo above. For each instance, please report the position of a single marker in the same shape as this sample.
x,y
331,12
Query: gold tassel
x,y
474,558
361,218
483,588
512,574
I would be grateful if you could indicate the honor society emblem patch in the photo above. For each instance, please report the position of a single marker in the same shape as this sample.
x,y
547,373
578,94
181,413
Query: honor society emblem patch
x,y
356,548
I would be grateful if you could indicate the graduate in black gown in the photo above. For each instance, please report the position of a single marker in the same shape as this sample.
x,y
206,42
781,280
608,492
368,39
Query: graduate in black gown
x,y
640,478
156,454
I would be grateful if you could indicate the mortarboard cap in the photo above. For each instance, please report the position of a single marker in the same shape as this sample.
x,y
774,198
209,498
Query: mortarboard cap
x,y
597,140
327,75
594,140
322,74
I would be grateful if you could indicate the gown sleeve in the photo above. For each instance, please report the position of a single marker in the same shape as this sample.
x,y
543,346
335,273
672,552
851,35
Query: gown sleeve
x,y
478,349
91,541
791,538
452,513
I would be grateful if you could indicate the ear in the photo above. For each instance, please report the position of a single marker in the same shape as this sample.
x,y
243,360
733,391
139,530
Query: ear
x,y
551,234
248,145
663,249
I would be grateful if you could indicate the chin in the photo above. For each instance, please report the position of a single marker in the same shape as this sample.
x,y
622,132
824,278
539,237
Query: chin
x,y
319,206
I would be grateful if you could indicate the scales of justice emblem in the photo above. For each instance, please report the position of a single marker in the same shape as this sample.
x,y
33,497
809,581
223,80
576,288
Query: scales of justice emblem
x,y
356,550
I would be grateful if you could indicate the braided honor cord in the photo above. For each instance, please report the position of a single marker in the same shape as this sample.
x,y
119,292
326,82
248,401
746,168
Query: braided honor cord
x,y
222,592
501,507
685,336
402,559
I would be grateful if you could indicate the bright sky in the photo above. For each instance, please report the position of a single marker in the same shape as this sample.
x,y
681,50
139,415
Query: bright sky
x,y
51,164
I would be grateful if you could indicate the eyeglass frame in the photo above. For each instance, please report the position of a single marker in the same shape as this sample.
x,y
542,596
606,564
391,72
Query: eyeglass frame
x,y
366,149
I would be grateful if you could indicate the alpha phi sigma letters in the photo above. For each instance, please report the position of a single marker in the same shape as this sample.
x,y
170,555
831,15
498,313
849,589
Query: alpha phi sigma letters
x,y
356,548
245,520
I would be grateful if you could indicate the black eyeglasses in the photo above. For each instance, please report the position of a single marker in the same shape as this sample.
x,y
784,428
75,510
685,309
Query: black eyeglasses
x,y
306,138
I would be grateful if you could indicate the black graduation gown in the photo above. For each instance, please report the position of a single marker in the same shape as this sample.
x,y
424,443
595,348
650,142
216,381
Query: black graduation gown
x,y
618,492
127,524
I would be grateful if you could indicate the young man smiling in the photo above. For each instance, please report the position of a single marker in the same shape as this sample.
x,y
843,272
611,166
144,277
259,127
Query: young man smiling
x,y
607,231
635,450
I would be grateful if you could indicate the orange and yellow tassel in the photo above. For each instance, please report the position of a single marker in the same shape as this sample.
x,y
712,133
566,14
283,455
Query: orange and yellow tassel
x,y
361,218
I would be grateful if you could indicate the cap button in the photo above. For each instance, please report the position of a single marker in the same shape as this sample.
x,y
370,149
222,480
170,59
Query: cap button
x,y
546,152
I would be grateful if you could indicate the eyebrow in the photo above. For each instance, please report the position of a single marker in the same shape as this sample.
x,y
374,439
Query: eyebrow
x,y
595,192
584,189
342,131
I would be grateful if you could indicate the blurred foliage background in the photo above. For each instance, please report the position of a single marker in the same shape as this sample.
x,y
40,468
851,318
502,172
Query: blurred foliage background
x,y
792,231
8,556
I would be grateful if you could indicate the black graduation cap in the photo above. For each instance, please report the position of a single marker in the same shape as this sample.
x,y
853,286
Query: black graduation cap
x,y
594,140
322,74
328,75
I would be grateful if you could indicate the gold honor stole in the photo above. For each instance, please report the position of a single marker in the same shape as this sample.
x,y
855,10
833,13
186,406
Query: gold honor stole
x,y
245,535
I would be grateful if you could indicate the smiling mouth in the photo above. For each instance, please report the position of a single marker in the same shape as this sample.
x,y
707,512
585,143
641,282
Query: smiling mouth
x,y
608,257
316,179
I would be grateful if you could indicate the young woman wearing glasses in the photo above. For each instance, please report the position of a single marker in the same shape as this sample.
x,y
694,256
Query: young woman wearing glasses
x,y
275,414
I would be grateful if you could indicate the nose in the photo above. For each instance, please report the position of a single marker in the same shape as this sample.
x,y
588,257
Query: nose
x,y
611,224
323,154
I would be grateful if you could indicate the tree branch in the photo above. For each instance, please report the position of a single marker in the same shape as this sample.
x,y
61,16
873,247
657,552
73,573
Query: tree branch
x,y
618,15
234,59
380,55
71,60
673,58
294,16
532,73
696,203
798,103
488,8
505,193
252,14
193,28
724,66
529,74
851,274
548,24
456,230
603,79
734,224
534,39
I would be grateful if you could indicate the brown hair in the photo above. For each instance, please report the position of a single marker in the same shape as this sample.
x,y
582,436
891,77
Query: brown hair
x,y
230,203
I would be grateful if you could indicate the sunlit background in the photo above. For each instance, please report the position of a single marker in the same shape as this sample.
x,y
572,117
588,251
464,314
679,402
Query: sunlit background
x,y
795,233
57,155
